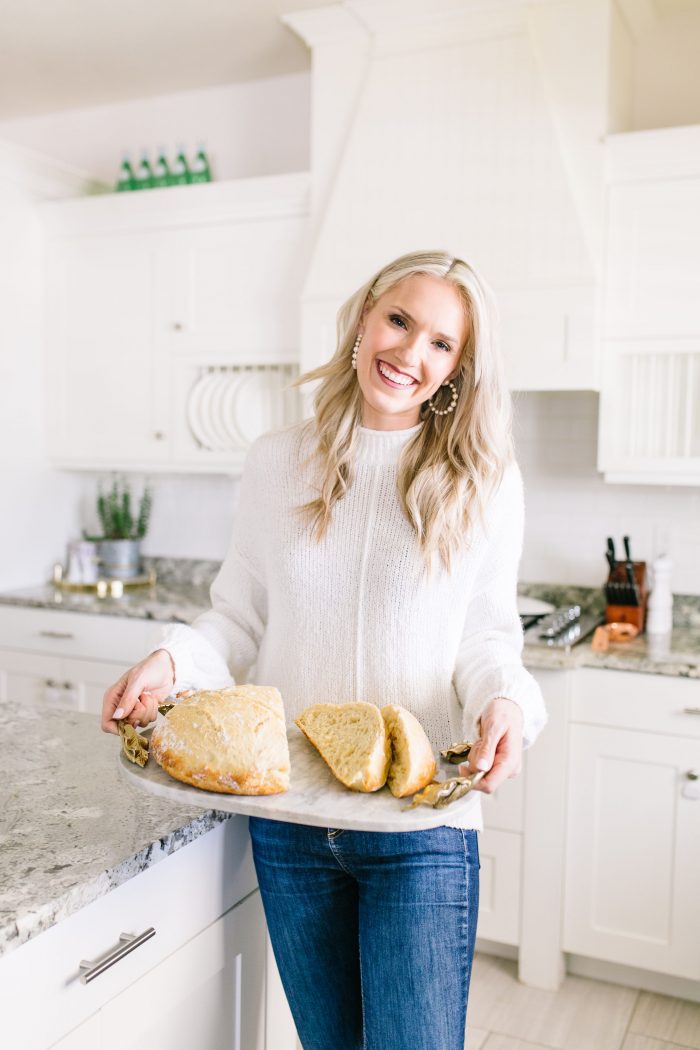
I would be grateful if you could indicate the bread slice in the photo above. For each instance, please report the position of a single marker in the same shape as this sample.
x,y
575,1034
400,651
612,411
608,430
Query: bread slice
x,y
352,740
229,740
413,764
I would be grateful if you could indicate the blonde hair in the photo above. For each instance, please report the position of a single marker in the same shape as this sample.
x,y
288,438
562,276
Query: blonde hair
x,y
449,469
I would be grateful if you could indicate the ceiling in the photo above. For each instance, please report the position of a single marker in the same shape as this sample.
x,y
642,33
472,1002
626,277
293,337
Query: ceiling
x,y
66,54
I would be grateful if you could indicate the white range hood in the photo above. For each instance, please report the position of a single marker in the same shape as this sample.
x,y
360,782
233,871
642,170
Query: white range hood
x,y
469,125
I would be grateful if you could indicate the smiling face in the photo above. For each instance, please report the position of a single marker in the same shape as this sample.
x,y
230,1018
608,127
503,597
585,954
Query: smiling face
x,y
412,340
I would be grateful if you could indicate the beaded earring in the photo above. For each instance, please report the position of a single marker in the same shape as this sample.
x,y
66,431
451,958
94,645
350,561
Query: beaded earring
x,y
450,407
355,348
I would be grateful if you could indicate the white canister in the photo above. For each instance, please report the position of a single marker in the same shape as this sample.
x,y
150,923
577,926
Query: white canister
x,y
660,605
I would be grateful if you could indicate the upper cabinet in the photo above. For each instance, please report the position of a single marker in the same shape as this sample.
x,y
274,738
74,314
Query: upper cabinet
x,y
650,399
157,299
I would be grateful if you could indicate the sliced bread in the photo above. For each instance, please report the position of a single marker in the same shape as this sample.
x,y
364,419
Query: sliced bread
x,y
352,739
412,761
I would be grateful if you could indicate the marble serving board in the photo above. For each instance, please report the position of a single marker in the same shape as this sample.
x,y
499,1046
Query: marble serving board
x,y
314,797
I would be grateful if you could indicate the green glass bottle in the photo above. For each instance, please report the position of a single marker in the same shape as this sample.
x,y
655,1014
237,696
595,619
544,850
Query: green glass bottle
x,y
200,167
161,170
180,172
126,179
144,173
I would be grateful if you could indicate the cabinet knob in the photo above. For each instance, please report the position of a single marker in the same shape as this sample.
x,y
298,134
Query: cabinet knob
x,y
692,774
50,684
178,326
67,685
159,435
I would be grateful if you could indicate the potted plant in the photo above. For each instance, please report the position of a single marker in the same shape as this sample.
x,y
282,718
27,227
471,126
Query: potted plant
x,y
120,543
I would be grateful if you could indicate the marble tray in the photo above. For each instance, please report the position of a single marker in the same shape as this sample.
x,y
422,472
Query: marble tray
x,y
314,796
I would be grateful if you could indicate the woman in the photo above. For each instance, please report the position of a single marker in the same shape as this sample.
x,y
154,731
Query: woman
x,y
374,556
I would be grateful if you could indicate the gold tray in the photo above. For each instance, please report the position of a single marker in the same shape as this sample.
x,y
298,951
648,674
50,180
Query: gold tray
x,y
112,586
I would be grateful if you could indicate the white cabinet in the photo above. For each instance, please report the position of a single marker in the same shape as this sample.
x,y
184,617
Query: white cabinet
x,y
67,660
633,823
650,399
210,993
208,949
500,850
146,297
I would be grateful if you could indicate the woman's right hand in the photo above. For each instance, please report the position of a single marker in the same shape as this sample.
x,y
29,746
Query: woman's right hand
x,y
135,697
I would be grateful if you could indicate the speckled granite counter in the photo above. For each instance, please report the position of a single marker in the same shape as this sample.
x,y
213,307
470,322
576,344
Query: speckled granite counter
x,y
62,844
182,592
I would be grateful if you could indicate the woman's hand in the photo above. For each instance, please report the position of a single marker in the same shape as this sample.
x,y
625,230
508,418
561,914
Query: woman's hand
x,y
138,692
499,749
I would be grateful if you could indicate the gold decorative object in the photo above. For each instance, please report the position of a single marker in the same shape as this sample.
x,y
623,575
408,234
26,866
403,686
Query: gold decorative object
x,y
457,753
134,746
440,793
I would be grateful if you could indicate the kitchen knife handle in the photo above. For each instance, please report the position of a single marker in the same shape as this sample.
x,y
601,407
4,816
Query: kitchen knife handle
x,y
626,541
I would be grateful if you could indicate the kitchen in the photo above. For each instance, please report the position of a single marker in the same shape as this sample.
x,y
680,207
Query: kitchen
x,y
573,183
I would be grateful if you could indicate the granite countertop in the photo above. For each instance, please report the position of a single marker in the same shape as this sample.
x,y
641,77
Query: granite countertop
x,y
182,592
61,850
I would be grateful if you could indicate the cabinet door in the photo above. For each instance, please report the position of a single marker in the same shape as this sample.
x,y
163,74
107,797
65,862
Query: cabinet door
x,y
30,678
85,1037
211,300
209,994
104,397
633,852
654,259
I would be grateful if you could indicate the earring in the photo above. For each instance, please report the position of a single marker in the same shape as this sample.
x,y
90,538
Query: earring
x,y
450,407
355,348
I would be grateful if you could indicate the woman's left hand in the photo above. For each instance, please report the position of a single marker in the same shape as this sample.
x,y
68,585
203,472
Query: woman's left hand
x,y
499,749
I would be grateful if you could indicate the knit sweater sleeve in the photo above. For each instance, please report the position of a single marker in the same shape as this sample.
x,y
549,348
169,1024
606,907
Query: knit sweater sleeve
x,y
221,645
489,663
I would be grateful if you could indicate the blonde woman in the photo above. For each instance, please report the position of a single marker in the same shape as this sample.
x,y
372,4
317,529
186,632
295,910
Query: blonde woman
x,y
374,556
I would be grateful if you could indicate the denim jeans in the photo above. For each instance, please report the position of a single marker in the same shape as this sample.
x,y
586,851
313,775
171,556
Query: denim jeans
x,y
373,932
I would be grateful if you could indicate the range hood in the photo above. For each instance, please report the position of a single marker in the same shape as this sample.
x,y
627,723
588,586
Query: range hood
x,y
472,126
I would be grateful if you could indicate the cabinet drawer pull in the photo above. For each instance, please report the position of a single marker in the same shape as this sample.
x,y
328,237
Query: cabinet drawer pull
x,y
692,774
56,634
691,710
127,943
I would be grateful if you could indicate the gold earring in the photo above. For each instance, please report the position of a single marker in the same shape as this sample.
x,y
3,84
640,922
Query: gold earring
x,y
450,407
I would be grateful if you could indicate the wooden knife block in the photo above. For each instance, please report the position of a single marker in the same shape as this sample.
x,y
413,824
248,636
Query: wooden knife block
x,y
634,614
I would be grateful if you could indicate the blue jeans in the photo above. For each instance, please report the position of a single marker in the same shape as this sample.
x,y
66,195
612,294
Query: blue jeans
x,y
373,932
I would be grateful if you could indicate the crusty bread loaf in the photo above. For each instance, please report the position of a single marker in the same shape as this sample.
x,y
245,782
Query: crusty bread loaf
x,y
413,764
352,739
229,740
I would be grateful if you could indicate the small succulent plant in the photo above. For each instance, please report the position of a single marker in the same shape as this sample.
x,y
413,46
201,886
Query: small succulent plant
x,y
116,514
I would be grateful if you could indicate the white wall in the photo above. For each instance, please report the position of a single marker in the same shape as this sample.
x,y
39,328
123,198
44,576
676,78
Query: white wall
x,y
570,510
256,128
38,506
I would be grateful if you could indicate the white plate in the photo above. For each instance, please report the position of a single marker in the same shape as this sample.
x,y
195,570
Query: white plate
x,y
314,796
254,410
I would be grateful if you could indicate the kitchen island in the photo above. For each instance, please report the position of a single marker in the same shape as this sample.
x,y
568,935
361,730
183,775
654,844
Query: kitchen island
x,y
86,858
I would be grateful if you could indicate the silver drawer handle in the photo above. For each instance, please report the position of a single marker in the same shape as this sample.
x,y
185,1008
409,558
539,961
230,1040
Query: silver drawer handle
x,y
127,943
691,710
56,634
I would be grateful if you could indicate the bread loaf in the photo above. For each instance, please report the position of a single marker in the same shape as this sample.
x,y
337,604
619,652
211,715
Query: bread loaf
x,y
229,740
352,739
413,764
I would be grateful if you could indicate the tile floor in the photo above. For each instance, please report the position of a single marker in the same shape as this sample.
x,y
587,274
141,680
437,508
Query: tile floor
x,y
583,1015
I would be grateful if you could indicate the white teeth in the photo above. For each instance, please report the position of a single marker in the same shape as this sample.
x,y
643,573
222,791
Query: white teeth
x,y
394,376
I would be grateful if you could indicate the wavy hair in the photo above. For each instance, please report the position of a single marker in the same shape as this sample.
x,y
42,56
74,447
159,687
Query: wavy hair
x,y
449,469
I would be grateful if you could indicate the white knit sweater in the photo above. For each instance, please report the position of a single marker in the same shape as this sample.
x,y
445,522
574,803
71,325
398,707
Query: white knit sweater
x,y
356,617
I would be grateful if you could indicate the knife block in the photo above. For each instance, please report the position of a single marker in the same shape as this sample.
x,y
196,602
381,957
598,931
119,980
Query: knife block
x,y
634,614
